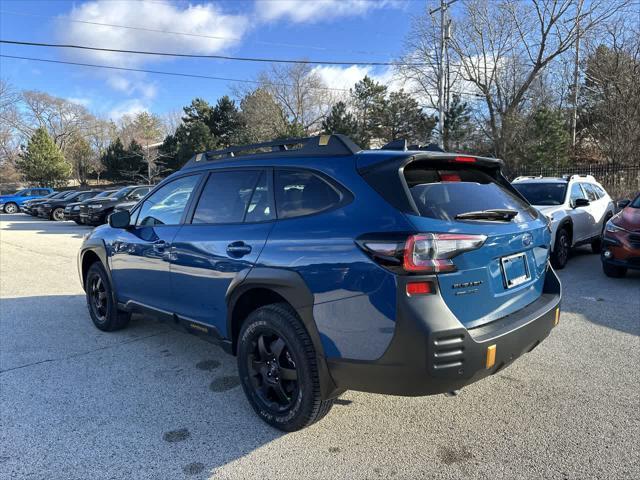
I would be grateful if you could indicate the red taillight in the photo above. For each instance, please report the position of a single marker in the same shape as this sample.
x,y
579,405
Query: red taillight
x,y
432,252
419,288
450,177
464,160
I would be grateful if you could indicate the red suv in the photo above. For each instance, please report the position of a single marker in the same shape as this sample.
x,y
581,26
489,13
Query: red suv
x,y
621,241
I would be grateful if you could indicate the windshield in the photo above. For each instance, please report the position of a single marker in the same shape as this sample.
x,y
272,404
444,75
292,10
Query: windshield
x,y
122,192
635,203
543,193
104,194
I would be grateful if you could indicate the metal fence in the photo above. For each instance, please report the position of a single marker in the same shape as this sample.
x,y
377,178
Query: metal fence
x,y
619,181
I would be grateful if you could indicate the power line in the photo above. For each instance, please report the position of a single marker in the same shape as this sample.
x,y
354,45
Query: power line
x,y
161,72
189,75
188,34
216,57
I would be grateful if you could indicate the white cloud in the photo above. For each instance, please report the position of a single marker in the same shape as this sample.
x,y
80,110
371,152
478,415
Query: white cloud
x,y
318,10
346,77
85,102
206,19
128,107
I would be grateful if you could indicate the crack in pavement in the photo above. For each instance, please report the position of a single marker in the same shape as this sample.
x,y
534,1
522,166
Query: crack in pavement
x,y
106,347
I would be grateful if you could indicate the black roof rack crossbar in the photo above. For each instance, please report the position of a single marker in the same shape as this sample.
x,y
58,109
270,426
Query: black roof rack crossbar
x,y
322,145
402,145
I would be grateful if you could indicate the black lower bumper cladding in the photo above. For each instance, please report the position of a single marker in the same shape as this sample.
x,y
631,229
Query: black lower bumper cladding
x,y
432,352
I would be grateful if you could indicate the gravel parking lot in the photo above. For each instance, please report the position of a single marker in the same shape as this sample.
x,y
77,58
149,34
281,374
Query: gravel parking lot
x,y
150,402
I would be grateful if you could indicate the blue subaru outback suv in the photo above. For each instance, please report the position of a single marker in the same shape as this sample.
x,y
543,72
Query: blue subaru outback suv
x,y
324,267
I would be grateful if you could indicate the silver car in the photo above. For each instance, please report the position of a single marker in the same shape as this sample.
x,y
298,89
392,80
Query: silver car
x,y
577,206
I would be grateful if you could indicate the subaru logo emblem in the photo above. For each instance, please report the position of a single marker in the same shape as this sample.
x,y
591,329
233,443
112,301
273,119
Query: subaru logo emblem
x,y
527,239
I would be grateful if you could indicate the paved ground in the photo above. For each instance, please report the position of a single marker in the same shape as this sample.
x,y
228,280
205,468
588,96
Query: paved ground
x,y
149,402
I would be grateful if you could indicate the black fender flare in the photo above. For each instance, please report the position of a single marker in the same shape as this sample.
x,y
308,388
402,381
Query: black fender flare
x,y
292,287
563,223
98,247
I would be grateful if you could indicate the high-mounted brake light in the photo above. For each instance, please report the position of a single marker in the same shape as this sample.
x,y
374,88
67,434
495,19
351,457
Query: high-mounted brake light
x,y
464,160
433,252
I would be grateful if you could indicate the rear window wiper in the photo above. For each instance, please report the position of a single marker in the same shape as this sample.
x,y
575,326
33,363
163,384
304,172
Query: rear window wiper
x,y
499,214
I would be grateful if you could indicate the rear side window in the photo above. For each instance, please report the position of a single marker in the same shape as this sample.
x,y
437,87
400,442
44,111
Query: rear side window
x,y
226,196
301,193
444,194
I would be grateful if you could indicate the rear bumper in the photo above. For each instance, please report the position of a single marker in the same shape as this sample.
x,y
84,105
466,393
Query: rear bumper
x,y
432,352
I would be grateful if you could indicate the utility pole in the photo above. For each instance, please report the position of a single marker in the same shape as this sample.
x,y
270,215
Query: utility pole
x,y
444,36
574,116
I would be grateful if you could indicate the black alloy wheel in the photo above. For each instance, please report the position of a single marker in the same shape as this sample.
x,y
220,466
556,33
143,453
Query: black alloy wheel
x,y
100,301
278,368
98,298
273,372
561,248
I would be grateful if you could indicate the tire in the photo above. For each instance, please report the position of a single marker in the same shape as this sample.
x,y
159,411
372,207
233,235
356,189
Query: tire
x,y
273,344
57,214
613,271
561,248
11,208
102,307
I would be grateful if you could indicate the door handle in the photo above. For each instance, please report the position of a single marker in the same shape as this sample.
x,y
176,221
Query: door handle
x,y
238,249
160,246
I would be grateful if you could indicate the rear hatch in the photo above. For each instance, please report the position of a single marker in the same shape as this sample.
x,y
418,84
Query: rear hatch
x,y
499,243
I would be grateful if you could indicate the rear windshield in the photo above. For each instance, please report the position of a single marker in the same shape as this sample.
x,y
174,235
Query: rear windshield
x,y
444,194
542,193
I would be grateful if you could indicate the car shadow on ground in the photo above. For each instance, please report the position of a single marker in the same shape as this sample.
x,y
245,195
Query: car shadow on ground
x,y
609,302
42,226
147,388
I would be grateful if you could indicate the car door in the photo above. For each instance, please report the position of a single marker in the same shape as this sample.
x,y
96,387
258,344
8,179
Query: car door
x,y
140,255
581,216
221,241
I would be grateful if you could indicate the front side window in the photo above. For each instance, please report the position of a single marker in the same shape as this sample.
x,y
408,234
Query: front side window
x,y
227,196
576,192
302,193
167,204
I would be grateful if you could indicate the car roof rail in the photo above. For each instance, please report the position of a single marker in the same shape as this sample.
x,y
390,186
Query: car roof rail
x,y
527,177
321,145
578,176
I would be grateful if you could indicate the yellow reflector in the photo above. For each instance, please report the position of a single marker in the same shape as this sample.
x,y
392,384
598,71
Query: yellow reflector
x,y
491,356
324,140
557,320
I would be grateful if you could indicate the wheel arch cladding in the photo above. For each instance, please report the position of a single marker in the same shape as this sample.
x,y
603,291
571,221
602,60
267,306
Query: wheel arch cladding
x,y
567,224
264,286
92,252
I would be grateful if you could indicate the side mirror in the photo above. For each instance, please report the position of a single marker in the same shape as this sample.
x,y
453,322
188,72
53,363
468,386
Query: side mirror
x,y
623,203
580,202
120,219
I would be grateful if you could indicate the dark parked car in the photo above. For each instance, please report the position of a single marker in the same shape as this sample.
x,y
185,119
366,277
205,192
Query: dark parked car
x,y
325,268
97,211
72,211
54,209
31,207
621,240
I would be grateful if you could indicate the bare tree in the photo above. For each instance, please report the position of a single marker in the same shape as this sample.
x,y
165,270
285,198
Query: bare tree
x,y
300,91
503,47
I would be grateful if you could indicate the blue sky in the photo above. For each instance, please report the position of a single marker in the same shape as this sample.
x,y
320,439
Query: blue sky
x,y
344,30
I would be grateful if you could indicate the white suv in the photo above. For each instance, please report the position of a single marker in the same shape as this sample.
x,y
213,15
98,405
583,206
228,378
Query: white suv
x,y
577,206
